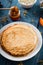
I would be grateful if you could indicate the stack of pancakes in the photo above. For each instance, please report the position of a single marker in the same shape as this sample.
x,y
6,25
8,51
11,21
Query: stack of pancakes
x,y
19,39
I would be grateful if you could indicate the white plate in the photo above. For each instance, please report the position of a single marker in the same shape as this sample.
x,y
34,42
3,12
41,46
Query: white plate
x,y
28,56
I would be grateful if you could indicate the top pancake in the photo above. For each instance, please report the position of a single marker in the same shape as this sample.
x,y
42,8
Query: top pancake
x,y
19,39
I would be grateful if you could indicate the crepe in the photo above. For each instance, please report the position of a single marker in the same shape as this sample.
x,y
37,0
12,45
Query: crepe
x,y
19,39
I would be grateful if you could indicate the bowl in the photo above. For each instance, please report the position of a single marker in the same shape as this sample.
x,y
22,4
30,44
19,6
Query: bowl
x,y
31,54
41,1
27,5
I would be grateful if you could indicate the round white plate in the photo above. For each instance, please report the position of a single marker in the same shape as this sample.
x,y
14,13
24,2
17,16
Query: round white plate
x,y
31,54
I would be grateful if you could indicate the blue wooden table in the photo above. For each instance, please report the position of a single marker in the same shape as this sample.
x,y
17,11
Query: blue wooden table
x,y
32,16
